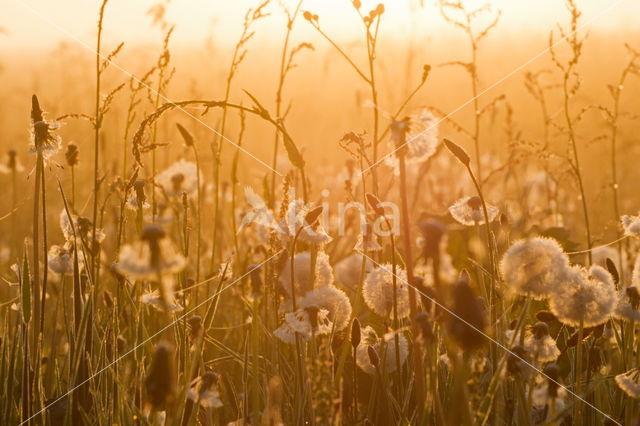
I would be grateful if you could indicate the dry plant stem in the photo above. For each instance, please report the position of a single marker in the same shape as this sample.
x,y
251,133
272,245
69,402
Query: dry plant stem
x,y
577,409
576,165
283,74
419,384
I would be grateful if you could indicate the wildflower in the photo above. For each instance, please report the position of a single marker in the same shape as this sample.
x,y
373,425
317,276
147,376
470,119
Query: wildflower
x,y
80,227
348,270
383,348
540,345
305,222
629,382
71,155
305,322
378,291
548,398
60,260
368,241
534,267
628,306
586,297
631,225
42,139
160,383
151,257
334,300
203,391
11,163
302,272
137,199
468,211
417,135
153,299
180,178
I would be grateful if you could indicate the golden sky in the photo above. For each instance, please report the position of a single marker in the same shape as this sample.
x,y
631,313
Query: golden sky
x,y
33,23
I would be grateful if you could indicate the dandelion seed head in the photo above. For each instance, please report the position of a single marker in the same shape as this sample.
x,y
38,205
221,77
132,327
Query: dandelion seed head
x,y
586,297
468,211
60,260
540,345
334,300
181,177
629,382
534,267
302,272
348,270
384,348
377,291
631,225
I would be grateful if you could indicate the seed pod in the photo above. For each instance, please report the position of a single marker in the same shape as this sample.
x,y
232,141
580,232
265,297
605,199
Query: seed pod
x,y
458,151
552,371
373,356
467,325
312,217
71,155
516,360
432,232
545,316
355,333
186,136
611,267
423,324
160,383
540,330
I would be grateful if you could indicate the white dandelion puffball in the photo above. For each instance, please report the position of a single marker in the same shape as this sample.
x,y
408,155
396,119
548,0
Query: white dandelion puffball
x,y
534,267
542,349
422,139
385,348
302,273
348,270
181,177
136,260
378,291
631,225
629,382
334,300
628,306
299,324
587,296
468,211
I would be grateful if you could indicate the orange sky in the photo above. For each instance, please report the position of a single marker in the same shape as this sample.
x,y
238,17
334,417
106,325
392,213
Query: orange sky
x,y
32,23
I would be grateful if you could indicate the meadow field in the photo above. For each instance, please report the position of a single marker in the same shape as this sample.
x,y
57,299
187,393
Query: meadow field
x,y
320,212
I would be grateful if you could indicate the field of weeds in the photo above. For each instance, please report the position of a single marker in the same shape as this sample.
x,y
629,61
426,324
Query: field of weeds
x,y
420,218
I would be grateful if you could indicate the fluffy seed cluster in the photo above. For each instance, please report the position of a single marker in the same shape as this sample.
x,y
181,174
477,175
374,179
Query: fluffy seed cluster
x,y
181,177
534,267
302,273
468,211
586,297
629,382
378,291
385,349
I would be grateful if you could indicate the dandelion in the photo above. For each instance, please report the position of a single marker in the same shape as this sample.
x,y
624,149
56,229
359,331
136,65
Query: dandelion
x,y
468,211
81,225
305,323
534,267
631,225
137,199
540,345
368,241
180,178
60,260
42,138
334,300
586,297
629,382
348,270
11,163
151,257
628,306
378,291
417,134
302,272
203,391
383,347
153,299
